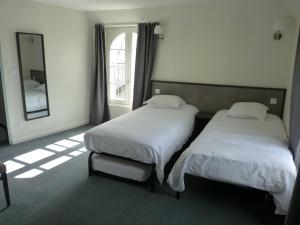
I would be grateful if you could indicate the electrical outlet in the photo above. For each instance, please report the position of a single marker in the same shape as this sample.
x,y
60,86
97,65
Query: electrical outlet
x,y
157,91
273,101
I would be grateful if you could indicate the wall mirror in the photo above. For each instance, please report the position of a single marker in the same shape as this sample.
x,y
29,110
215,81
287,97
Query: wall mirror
x,y
33,75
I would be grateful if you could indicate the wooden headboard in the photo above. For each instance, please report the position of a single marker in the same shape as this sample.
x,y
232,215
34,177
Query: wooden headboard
x,y
212,98
38,76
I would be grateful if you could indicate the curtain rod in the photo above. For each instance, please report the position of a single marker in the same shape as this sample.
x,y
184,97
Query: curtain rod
x,y
121,25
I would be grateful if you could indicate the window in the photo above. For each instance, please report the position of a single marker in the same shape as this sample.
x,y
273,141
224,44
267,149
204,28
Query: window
x,y
121,43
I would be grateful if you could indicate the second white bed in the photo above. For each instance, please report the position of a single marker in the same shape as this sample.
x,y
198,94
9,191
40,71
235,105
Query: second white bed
x,y
149,135
244,152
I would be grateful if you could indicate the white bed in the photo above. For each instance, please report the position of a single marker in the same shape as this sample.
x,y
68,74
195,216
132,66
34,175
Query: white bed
x,y
35,96
149,135
35,100
244,152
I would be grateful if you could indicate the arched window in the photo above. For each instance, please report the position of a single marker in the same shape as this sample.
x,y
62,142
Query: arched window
x,y
121,64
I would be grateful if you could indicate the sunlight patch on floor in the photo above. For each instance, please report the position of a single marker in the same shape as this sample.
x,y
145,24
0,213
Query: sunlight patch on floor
x,y
55,162
78,137
67,143
29,174
75,153
56,148
34,156
82,149
12,166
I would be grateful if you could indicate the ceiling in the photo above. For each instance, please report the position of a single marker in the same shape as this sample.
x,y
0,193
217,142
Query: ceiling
x,y
92,5
98,5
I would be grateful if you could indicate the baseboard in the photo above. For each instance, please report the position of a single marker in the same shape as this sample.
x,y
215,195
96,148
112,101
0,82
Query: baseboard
x,y
47,132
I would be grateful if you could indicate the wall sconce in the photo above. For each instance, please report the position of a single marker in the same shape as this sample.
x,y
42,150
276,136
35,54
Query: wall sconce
x,y
158,31
278,28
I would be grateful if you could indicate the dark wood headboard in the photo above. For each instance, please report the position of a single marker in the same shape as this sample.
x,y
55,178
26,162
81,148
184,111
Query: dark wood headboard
x,y
212,98
38,76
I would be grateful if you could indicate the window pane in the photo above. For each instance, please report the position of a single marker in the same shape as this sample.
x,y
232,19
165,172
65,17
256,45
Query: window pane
x,y
134,40
118,42
117,58
117,69
120,91
112,91
133,54
121,67
116,75
132,66
117,91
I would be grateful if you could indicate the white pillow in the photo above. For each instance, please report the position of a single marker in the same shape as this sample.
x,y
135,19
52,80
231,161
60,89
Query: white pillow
x,y
30,84
42,87
248,110
166,101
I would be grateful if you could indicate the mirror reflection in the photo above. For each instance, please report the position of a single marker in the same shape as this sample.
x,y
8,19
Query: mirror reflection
x,y
33,75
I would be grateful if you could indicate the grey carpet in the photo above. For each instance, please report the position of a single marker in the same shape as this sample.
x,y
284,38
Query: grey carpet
x,y
66,195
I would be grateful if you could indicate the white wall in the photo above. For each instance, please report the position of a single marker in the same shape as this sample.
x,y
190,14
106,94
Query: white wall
x,y
67,54
294,8
228,43
220,43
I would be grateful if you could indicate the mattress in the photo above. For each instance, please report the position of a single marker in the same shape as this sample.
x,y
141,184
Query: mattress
x,y
121,167
245,152
149,135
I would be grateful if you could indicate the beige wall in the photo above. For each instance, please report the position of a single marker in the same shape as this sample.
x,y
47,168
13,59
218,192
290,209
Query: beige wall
x,y
67,54
294,8
228,43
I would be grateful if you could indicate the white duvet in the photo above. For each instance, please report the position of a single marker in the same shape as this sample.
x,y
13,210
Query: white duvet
x,y
148,134
35,100
244,152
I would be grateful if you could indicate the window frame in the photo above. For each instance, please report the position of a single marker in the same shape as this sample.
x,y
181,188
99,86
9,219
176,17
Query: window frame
x,y
114,32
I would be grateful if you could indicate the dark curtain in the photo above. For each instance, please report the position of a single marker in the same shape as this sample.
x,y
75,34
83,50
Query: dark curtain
x,y
145,57
99,103
293,217
295,105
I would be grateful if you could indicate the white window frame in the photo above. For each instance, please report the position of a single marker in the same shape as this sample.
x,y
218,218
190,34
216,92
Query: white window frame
x,y
114,33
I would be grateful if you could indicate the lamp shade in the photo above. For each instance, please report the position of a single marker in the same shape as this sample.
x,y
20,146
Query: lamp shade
x,y
158,30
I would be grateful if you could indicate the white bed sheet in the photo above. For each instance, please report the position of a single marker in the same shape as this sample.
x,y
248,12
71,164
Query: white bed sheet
x,y
148,134
35,100
244,152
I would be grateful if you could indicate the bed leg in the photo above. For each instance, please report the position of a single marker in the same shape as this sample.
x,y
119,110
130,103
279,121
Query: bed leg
x,y
177,194
265,208
152,179
90,163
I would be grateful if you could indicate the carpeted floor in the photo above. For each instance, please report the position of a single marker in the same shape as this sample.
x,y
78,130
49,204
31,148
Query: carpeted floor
x,y
66,195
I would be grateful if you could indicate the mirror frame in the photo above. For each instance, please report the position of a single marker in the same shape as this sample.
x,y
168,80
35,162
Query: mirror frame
x,y
21,74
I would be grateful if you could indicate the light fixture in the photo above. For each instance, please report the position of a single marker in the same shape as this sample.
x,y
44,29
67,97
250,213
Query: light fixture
x,y
278,28
158,31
